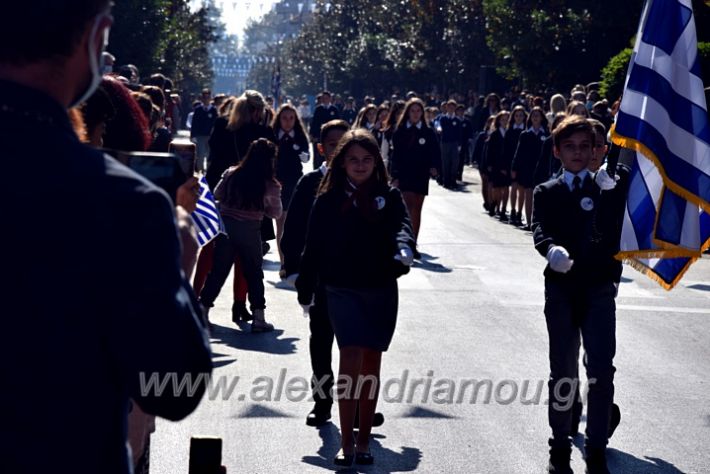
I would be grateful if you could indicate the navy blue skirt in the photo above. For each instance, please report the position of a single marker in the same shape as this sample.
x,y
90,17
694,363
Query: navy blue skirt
x,y
364,317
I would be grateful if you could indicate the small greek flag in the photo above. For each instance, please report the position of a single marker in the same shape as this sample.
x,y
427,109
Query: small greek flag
x,y
663,117
206,216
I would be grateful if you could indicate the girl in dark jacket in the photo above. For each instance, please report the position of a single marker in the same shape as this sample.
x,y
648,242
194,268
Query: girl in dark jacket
x,y
292,153
498,172
516,126
525,160
359,242
414,160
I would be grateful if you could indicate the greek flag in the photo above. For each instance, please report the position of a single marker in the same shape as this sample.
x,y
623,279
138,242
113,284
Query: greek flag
x,y
663,117
206,216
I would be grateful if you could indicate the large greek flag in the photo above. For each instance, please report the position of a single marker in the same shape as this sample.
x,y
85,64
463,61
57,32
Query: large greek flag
x,y
206,216
663,117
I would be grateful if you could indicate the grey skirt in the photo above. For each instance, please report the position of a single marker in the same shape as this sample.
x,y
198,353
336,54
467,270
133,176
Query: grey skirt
x,y
364,317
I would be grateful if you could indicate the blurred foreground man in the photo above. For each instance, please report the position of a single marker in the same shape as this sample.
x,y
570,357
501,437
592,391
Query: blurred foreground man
x,y
94,299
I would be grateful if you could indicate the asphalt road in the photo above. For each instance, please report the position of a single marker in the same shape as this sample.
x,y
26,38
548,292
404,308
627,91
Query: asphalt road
x,y
470,317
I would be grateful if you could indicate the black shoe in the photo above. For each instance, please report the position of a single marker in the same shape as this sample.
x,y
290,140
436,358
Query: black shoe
x,y
265,247
342,459
377,420
559,461
365,459
596,461
417,255
614,419
240,312
503,217
491,212
318,416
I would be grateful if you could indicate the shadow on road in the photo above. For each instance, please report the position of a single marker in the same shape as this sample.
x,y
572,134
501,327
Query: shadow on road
x,y
269,342
386,460
619,461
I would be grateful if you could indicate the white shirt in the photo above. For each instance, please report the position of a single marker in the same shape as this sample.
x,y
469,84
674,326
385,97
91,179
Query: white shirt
x,y
291,134
418,125
569,178
323,169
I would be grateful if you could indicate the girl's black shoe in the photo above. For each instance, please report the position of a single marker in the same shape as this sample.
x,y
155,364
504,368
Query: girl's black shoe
x,y
240,312
342,459
365,459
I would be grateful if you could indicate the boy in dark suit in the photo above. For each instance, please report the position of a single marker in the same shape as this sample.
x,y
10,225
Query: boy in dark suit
x,y
577,226
324,112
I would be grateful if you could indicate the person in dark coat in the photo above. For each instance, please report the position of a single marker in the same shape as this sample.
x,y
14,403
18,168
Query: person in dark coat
x,y
480,148
414,158
93,262
498,172
466,137
516,126
525,160
548,165
577,220
324,112
359,242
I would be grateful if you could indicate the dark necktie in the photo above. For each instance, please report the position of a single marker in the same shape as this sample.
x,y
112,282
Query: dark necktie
x,y
576,184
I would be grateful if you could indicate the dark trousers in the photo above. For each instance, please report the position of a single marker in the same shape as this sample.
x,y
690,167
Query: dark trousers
x,y
245,242
449,163
463,159
321,347
573,310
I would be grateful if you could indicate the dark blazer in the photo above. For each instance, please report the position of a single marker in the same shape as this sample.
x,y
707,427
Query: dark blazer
x,y
591,235
289,167
526,156
346,249
321,116
95,285
547,165
227,148
494,152
411,159
294,236
510,144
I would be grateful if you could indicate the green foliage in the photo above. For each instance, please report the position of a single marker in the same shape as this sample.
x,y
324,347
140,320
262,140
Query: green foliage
x,y
166,36
614,74
704,53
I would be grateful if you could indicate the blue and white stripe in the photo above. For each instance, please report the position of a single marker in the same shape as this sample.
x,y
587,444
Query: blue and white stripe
x,y
663,116
663,107
206,216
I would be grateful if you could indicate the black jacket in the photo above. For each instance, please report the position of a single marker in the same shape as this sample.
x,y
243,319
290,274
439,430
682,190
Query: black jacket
x,y
590,236
294,237
346,249
95,284
494,158
526,156
289,167
227,148
410,159
203,119
321,116
547,165
510,144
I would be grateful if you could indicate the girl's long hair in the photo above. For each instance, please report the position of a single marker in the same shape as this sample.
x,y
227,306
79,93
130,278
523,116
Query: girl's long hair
x,y
511,119
336,178
247,184
393,119
405,113
243,108
298,127
361,119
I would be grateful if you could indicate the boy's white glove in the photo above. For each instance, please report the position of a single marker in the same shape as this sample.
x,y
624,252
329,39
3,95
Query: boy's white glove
x,y
306,310
405,256
304,156
604,181
559,259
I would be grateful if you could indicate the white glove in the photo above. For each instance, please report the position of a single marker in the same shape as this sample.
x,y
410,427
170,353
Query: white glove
x,y
304,156
405,256
559,259
306,310
604,181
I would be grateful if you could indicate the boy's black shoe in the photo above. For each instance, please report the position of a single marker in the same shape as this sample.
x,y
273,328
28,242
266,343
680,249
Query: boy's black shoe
x,y
559,461
319,416
596,461
614,419
503,217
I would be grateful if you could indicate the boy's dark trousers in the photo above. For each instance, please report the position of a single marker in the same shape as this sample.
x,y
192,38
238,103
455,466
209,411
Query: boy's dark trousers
x,y
573,309
321,349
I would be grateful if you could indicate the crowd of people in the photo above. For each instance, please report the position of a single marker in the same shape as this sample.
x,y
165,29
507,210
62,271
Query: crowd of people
x,y
345,232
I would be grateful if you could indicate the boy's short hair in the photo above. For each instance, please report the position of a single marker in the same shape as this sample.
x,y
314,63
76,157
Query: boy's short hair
x,y
333,125
569,126
451,102
599,128
326,93
460,107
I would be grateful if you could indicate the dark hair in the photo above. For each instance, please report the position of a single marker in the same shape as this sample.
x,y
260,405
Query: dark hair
x,y
97,109
157,80
543,118
247,184
36,30
573,105
405,113
392,120
569,126
599,128
336,177
333,125
362,116
156,94
129,129
298,128
511,119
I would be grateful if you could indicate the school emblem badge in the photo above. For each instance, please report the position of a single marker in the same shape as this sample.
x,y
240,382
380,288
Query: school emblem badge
x,y
422,141
380,203
587,203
